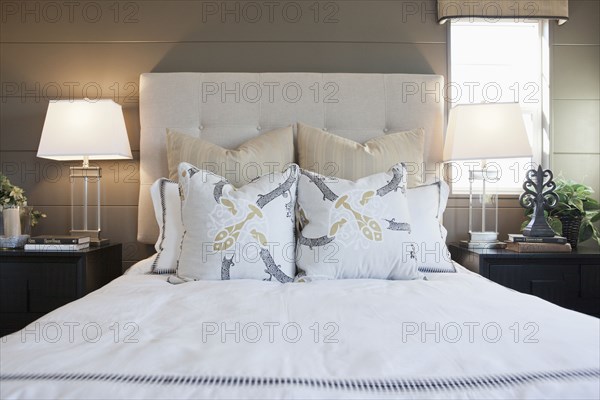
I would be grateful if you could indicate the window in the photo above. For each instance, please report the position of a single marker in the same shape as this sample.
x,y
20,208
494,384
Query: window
x,y
499,62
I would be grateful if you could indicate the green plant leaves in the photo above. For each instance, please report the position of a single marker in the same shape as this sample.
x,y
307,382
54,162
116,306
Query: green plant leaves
x,y
586,232
11,195
556,225
577,203
574,199
591,205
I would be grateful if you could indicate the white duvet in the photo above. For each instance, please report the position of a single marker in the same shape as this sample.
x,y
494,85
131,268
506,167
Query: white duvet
x,y
451,336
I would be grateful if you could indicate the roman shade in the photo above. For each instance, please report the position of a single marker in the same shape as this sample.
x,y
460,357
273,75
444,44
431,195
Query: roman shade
x,y
504,9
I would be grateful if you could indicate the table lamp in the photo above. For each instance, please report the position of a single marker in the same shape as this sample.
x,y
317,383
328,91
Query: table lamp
x,y
85,130
481,132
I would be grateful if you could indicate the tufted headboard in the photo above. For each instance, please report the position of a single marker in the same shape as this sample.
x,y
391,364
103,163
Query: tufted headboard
x,y
229,108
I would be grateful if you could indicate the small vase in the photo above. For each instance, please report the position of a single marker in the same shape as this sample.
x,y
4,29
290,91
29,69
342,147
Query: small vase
x,y
15,226
571,225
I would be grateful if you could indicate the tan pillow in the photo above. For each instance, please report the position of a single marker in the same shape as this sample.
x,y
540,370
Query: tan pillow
x,y
270,152
331,155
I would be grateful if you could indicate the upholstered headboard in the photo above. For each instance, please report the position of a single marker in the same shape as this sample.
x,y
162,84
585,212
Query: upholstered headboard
x,y
229,108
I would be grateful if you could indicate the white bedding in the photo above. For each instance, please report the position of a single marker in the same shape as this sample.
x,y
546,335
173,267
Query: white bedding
x,y
162,348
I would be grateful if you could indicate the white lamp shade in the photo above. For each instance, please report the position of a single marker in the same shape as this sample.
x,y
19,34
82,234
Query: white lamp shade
x,y
486,131
75,129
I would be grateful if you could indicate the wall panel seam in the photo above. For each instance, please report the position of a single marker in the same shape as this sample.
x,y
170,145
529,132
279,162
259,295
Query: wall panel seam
x,y
216,41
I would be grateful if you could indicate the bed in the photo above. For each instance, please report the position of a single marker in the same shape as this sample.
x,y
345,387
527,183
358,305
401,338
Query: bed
x,y
450,335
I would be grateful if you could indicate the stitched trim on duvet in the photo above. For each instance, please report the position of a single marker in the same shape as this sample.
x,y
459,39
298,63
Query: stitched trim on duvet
x,y
361,385
163,206
437,270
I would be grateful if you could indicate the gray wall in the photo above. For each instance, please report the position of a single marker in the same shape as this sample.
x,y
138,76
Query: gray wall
x,y
575,78
99,48
575,83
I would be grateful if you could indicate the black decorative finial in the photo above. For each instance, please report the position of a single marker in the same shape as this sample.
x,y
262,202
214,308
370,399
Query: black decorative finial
x,y
539,195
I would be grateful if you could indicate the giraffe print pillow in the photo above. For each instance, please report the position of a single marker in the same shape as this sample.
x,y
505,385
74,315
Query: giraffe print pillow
x,y
355,230
243,233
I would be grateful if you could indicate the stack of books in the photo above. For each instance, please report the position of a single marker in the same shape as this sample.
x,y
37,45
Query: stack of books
x,y
527,244
478,245
57,243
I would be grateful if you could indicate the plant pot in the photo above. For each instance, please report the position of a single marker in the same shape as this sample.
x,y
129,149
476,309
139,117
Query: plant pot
x,y
15,226
570,228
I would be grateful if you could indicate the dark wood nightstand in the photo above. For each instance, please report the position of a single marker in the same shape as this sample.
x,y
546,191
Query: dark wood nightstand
x,y
570,280
34,283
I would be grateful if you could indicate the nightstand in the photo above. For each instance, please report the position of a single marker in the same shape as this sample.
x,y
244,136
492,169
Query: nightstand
x,y
570,280
33,283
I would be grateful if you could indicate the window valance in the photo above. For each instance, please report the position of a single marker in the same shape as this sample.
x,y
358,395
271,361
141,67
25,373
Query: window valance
x,y
504,9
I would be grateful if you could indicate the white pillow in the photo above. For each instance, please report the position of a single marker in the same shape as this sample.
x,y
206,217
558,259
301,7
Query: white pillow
x,y
244,233
355,230
426,205
167,209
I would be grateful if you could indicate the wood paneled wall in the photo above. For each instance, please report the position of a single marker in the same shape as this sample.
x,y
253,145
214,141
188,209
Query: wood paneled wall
x,y
575,84
575,78
98,49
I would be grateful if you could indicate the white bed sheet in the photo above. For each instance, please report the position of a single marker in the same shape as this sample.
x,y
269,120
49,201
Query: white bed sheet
x,y
155,342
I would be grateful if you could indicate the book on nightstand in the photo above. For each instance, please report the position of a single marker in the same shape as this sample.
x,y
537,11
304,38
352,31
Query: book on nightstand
x,y
513,237
56,247
58,239
474,245
527,247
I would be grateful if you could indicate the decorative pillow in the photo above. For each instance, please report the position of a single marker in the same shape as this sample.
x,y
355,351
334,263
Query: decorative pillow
x,y
355,230
332,155
270,152
167,209
245,233
426,205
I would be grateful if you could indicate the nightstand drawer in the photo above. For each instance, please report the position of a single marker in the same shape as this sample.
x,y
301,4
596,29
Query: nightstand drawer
x,y
13,294
51,285
570,280
34,283
36,287
10,322
555,283
590,281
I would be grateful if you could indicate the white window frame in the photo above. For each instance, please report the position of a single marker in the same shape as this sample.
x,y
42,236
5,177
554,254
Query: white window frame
x,y
539,135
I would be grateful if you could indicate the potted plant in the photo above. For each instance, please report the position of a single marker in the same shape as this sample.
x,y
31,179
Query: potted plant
x,y
17,217
575,214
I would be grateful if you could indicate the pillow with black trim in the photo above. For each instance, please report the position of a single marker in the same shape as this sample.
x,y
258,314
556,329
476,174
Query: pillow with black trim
x,y
426,205
355,229
167,210
243,233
